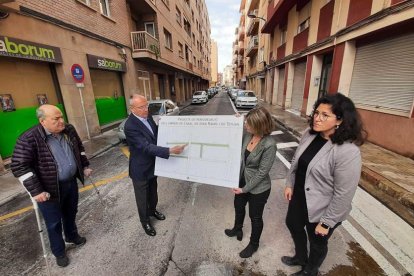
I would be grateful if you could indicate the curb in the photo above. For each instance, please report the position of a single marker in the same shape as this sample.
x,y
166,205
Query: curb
x,y
284,125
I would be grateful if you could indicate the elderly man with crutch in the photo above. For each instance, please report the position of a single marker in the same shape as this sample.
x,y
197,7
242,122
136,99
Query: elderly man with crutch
x,y
48,159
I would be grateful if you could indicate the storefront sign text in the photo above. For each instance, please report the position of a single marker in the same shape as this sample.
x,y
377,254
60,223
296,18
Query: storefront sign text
x,y
11,47
105,63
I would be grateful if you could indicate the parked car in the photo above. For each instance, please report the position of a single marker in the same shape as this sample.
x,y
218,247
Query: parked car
x,y
246,98
233,94
200,97
156,109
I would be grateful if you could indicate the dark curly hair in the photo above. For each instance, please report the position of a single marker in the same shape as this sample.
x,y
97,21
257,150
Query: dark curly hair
x,y
351,128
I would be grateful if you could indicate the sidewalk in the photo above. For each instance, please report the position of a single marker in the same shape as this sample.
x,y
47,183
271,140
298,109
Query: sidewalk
x,y
387,176
10,187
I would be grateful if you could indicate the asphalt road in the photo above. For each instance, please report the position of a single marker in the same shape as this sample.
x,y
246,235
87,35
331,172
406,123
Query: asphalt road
x,y
191,241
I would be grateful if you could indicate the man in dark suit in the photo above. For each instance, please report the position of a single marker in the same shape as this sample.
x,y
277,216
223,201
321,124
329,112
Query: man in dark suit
x,y
141,135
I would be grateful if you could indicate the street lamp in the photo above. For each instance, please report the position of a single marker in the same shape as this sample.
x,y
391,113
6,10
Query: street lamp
x,y
252,15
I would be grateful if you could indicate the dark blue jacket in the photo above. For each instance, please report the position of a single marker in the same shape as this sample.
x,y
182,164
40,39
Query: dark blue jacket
x,y
143,148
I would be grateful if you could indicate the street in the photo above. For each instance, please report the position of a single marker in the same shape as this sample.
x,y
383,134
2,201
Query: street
x,y
191,241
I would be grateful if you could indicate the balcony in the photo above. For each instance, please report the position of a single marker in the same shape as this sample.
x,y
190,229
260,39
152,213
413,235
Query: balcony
x,y
253,27
145,46
241,34
252,5
300,41
241,47
253,46
189,66
236,49
281,51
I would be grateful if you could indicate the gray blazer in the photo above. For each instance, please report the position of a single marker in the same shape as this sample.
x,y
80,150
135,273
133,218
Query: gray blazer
x,y
331,179
258,164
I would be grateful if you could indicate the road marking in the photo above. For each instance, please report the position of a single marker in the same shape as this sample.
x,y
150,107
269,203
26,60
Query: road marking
x,y
194,192
125,150
277,132
371,250
286,145
389,231
83,189
284,161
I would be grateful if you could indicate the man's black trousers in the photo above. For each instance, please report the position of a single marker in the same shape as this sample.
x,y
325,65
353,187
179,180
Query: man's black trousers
x,y
146,196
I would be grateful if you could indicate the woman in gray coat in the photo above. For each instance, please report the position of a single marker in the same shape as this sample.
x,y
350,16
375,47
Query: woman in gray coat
x,y
322,180
258,155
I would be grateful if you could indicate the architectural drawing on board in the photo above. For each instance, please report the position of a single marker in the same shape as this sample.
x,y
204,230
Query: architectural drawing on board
x,y
212,154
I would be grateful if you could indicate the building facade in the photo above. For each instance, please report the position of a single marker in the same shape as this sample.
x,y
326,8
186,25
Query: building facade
x,y
361,48
214,63
228,75
114,48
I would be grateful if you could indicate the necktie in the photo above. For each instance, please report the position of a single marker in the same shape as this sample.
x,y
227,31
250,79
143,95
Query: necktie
x,y
146,123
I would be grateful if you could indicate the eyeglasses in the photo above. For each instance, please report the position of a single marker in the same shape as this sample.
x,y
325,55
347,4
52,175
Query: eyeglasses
x,y
142,107
322,116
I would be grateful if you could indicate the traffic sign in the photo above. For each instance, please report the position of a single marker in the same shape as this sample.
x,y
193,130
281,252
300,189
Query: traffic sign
x,y
77,73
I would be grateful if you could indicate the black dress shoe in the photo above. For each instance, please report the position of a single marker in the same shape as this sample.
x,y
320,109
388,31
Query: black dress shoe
x,y
149,229
78,241
62,261
292,261
158,215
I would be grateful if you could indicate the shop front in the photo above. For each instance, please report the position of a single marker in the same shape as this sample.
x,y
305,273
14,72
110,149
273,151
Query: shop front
x,y
28,74
106,77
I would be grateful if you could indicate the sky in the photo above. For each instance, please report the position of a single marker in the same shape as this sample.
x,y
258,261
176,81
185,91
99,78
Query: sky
x,y
224,18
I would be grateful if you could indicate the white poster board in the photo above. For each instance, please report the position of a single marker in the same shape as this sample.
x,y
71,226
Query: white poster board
x,y
213,151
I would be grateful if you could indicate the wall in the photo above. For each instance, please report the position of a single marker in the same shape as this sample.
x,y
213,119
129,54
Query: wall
x,y
402,129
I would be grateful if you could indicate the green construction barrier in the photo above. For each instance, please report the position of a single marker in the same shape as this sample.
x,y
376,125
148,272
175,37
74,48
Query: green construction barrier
x,y
110,109
14,123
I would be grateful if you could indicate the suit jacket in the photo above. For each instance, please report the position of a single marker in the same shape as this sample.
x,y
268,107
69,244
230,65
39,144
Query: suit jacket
x,y
143,148
331,179
258,164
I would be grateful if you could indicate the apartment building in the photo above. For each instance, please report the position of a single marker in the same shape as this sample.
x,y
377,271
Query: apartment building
x,y
214,63
361,48
174,56
114,48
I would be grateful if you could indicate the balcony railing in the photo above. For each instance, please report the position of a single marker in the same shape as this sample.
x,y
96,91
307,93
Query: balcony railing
x,y
152,1
143,41
253,26
253,45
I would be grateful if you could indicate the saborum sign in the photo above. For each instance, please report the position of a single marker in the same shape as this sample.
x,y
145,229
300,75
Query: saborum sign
x,y
12,47
105,63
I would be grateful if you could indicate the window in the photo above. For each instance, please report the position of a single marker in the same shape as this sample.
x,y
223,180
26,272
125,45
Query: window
x,y
104,5
168,39
150,28
283,33
194,60
180,50
303,26
193,39
178,15
261,55
187,27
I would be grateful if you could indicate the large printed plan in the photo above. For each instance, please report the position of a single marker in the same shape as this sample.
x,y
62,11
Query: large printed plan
x,y
213,150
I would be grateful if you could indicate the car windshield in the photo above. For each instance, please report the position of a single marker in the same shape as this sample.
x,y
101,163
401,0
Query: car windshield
x,y
198,93
155,109
246,94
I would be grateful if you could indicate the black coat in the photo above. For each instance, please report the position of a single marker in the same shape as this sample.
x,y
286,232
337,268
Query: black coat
x,y
32,156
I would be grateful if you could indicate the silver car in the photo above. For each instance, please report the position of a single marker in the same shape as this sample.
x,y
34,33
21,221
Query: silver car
x,y
156,108
246,98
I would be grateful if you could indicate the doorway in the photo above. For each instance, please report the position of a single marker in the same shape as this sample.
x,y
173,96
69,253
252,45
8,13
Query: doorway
x,y
325,75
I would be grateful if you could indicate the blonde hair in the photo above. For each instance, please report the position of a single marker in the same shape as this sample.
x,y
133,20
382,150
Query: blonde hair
x,y
260,121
